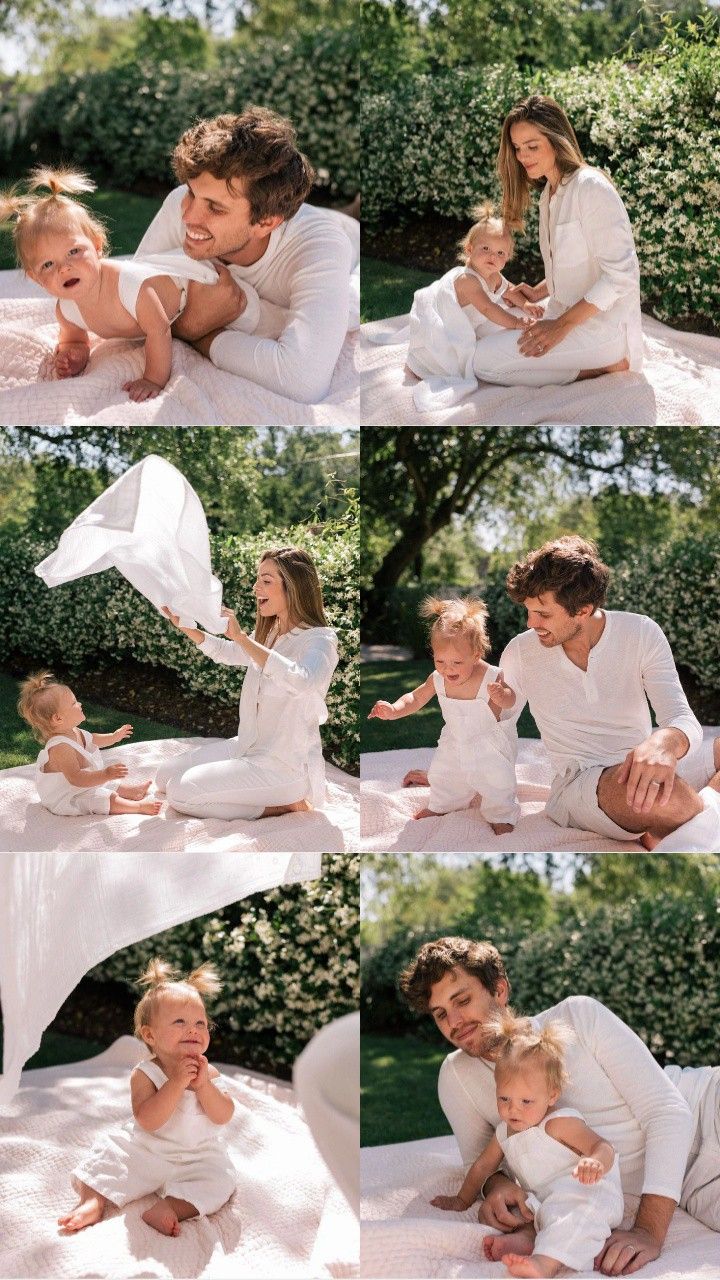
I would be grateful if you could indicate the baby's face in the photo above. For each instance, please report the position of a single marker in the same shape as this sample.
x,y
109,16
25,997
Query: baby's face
x,y
66,264
454,660
490,254
68,711
523,1097
179,1026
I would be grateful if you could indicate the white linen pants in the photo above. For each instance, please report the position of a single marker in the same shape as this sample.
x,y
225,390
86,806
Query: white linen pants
x,y
593,345
574,1221
213,782
701,1189
455,780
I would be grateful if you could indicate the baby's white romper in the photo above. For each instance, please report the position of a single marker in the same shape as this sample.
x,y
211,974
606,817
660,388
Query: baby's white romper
x,y
572,1220
475,753
60,796
185,1158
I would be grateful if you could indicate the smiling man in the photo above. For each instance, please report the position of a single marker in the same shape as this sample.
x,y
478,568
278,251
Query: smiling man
x,y
588,675
242,206
664,1125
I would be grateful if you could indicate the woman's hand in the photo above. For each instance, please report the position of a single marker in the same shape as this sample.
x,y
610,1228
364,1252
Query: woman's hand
x,y
542,337
234,630
193,632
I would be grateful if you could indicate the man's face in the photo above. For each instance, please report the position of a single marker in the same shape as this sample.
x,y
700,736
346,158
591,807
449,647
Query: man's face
x,y
552,623
217,219
462,1006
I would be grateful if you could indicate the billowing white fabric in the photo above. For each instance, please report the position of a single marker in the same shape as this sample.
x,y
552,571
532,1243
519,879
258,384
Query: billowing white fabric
x,y
149,525
573,1220
475,754
186,1157
60,796
326,1077
65,912
133,274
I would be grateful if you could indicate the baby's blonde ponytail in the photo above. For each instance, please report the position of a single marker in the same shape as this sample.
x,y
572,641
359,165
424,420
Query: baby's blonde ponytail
x,y
38,701
60,181
159,977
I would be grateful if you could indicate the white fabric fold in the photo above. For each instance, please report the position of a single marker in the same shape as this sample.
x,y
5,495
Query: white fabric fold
x,y
326,1077
701,833
151,527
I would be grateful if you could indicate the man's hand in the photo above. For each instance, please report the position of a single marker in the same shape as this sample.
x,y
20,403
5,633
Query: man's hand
x,y
648,773
210,308
627,1251
505,1207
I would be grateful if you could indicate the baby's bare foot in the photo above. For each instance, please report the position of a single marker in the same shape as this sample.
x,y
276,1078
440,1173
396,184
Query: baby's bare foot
x,y
426,813
416,778
162,1218
539,1267
85,1214
135,791
502,828
516,1242
151,807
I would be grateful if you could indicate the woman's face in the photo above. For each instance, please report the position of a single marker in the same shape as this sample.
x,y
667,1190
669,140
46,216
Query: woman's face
x,y
534,151
270,591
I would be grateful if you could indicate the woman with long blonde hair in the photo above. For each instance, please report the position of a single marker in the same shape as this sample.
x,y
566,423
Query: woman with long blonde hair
x,y
592,319
275,764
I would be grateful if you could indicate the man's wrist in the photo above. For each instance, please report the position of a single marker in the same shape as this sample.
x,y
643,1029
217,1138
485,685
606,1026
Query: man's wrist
x,y
654,1216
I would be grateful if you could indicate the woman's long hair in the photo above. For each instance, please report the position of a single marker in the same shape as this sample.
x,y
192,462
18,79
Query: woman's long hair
x,y
550,119
302,589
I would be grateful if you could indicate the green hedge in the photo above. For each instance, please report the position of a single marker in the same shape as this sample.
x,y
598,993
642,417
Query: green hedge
x,y
101,619
430,145
288,961
654,963
122,123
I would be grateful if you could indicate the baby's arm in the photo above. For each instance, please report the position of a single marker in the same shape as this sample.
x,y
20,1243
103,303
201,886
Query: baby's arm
x,y
73,349
158,346
217,1106
405,705
500,695
470,293
515,296
66,761
475,1179
153,1107
109,739
597,1155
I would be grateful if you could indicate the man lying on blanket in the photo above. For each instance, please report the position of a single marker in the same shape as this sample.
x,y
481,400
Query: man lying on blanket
x,y
241,205
664,1125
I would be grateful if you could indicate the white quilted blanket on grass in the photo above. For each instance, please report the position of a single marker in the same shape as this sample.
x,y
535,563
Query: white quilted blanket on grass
x,y
287,1218
404,1236
197,394
25,825
679,386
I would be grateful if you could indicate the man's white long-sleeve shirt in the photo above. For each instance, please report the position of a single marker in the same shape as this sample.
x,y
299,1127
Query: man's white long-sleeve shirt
x,y
304,283
615,1084
595,717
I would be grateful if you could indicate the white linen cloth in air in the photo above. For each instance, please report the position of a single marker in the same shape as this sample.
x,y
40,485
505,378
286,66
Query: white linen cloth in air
x,y
151,527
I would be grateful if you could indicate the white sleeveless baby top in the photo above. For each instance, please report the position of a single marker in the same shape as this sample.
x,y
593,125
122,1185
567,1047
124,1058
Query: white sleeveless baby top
x,y
476,318
133,274
53,788
469,720
537,1161
188,1129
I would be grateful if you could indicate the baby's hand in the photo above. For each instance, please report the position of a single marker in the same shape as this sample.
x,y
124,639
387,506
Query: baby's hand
x,y
185,1071
70,359
449,1202
588,1170
383,711
500,693
523,322
202,1078
532,310
123,732
115,771
142,389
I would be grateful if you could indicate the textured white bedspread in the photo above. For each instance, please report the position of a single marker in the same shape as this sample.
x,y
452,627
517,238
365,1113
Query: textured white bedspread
x,y
197,394
404,1236
24,824
679,386
287,1218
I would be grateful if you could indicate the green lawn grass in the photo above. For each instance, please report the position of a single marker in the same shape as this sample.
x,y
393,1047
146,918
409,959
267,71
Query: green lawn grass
x,y
126,216
387,289
387,681
17,745
399,1101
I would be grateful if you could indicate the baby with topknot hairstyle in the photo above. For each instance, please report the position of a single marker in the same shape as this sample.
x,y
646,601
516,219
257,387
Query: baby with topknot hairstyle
x,y
62,247
571,1173
476,752
175,1146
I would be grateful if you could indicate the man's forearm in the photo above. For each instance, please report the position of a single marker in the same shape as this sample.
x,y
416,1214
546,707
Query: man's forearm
x,y
671,739
654,1216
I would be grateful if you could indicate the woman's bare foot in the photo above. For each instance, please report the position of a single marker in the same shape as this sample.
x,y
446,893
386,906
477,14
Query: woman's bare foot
x,y
136,791
538,1266
118,804
621,367
427,813
275,810
416,778
518,1242
162,1217
85,1214
502,828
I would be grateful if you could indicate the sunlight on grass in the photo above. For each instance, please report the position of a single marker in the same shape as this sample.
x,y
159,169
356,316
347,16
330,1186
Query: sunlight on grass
x,y
387,288
399,1089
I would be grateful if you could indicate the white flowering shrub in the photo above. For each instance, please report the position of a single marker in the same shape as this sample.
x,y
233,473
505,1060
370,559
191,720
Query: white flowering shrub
x,y
430,144
288,959
101,619
654,963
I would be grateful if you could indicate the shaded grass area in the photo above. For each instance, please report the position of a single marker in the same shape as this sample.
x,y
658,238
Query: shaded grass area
x,y
56,1049
388,288
399,1101
125,214
386,681
17,745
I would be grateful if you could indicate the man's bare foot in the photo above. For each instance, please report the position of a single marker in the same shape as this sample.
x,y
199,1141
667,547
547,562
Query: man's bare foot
x,y
621,367
427,813
163,1218
134,791
538,1266
119,804
275,810
416,778
517,1242
85,1214
502,828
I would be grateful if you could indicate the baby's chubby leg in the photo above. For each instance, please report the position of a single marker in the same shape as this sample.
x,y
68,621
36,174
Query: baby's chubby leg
x,y
89,1210
166,1214
137,791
